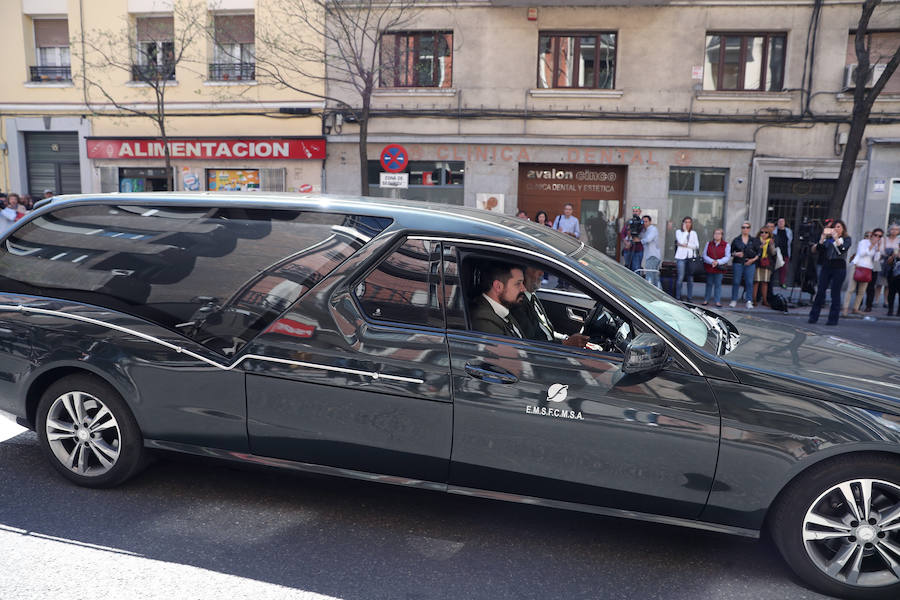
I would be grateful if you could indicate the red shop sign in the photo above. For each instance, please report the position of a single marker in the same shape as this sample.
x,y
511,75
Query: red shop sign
x,y
208,148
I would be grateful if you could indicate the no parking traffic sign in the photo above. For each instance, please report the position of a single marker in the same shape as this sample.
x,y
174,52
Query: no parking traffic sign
x,y
394,158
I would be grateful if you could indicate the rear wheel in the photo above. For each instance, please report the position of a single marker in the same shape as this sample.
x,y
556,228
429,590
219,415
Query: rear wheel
x,y
88,432
838,527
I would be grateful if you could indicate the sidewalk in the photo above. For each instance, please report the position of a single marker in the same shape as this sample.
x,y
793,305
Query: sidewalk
x,y
878,310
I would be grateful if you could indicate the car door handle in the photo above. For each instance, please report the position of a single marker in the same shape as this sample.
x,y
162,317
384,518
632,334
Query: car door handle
x,y
490,373
576,314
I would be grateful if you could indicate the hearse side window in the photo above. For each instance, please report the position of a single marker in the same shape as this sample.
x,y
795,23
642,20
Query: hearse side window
x,y
406,286
218,276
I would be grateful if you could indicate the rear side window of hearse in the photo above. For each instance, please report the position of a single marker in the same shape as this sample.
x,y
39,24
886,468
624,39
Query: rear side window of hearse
x,y
215,275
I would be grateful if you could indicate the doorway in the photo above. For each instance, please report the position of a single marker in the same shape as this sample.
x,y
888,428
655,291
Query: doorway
x,y
803,203
601,225
52,160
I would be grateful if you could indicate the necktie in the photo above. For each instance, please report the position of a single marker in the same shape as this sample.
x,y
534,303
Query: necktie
x,y
543,321
513,327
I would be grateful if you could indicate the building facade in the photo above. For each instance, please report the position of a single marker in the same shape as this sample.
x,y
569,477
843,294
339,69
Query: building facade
x,y
721,110
85,80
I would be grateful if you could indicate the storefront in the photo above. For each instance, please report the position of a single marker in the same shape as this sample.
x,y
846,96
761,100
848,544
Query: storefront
x,y
602,179
211,164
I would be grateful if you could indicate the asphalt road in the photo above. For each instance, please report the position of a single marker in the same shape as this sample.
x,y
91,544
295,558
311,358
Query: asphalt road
x,y
190,529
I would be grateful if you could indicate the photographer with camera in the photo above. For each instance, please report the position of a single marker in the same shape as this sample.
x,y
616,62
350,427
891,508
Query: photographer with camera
x,y
832,248
633,252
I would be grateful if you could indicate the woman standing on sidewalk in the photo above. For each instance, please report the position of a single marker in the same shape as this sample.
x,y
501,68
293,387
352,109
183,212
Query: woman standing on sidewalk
x,y
833,246
686,247
766,265
715,258
867,252
890,248
745,253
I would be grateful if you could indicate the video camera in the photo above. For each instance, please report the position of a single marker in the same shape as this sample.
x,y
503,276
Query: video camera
x,y
635,226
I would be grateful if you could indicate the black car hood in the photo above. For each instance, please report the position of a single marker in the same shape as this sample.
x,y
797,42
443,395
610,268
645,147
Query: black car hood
x,y
797,360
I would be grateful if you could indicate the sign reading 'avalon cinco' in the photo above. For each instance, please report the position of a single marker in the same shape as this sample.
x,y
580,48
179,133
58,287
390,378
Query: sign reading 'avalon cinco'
x,y
208,148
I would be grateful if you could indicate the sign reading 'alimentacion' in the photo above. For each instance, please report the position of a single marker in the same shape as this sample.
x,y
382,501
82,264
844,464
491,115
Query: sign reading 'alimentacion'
x,y
207,148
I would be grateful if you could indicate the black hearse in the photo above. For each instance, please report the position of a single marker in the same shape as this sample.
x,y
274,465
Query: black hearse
x,y
334,335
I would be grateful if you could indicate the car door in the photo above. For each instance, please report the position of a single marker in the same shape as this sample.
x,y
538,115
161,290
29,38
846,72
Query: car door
x,y
355,375
545,420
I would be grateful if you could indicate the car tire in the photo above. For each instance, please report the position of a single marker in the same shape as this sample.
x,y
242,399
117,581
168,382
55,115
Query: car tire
x,y
838,527
88,432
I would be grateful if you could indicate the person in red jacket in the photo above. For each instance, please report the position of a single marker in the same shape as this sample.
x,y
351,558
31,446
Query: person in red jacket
x,y
716,257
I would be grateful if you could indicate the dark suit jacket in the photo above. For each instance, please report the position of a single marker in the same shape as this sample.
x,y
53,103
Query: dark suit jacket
x,y
528,321
485,319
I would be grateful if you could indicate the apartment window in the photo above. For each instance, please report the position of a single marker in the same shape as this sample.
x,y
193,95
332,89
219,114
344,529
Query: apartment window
x,y
417,59
738,61
699,193
577,60
155,49
235,48
51,40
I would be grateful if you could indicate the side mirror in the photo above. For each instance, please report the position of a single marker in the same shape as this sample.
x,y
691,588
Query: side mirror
x,y
646,353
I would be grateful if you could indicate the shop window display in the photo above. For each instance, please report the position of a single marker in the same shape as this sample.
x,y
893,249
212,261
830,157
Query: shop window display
x,y
698,193
428,181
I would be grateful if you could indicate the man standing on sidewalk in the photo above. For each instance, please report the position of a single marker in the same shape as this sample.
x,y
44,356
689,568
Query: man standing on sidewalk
x,y
652,258
784,238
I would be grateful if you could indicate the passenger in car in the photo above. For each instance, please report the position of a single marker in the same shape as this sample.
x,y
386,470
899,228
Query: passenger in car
x,y
533,318
503,287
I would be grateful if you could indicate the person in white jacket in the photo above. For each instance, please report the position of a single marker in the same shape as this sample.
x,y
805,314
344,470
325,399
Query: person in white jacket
x,y
687,247
866,253
652,257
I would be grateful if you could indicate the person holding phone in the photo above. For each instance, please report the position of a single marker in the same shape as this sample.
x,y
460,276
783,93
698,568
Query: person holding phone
x,y
745,252
832,247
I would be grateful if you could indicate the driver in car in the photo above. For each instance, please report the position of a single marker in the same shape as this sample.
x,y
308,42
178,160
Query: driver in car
x,y
533,319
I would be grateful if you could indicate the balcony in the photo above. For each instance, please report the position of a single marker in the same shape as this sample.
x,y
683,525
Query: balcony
x,y
153,72
48,74
244,71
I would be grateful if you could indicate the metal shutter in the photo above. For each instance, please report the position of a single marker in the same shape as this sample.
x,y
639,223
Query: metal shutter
x,y
53,162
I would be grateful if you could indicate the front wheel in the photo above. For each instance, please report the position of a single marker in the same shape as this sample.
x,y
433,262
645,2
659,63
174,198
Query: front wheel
x,y
838,527
88,433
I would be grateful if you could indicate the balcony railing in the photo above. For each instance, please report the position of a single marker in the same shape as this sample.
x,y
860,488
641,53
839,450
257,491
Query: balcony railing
x,y
51,73
245,71
153,72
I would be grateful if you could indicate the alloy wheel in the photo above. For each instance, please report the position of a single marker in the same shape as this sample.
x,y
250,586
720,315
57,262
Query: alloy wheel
x,y
852,532
83,434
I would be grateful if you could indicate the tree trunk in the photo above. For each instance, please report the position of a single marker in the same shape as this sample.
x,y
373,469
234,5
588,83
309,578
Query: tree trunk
x,y
170,178
363,147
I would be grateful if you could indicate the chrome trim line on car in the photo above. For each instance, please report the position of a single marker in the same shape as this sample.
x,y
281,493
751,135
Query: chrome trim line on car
x,y
266,461
602,510
295,363
600,289
282,463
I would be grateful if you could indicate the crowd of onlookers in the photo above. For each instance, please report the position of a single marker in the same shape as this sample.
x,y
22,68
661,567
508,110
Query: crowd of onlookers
x,y
14,206
760,259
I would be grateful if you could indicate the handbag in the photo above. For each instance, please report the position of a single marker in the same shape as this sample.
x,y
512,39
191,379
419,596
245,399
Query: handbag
x,y
779,259
695,265
765,262
862,274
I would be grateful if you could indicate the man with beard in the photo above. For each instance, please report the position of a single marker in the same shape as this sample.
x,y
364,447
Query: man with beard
x,y
503,287
533,319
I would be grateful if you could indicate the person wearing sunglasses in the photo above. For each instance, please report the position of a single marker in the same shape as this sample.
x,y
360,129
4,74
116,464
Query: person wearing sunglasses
x,y
766,264
745,252
867,251
832,247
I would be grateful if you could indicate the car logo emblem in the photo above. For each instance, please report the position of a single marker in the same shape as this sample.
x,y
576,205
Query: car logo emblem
x,y
557,392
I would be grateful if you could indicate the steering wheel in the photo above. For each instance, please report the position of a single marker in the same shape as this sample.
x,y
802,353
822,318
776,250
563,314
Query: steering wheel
x,y
600,326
